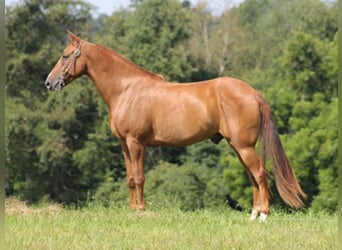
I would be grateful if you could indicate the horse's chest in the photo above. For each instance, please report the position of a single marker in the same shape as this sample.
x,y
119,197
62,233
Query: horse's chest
x,y
130,123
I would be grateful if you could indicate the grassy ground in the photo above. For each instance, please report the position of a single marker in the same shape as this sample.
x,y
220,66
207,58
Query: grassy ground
x,y
52,227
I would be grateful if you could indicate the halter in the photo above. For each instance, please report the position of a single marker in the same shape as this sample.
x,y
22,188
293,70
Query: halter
x,y
76,54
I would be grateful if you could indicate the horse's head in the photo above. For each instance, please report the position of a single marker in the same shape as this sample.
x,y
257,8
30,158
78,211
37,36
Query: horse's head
x,y
69,66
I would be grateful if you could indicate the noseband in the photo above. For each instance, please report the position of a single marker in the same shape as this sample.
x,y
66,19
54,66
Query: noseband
x,y
66,69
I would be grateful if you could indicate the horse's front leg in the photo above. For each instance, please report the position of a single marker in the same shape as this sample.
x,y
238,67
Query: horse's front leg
x,y
130,177
136,155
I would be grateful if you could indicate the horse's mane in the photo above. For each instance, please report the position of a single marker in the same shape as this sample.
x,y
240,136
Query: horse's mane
x,y
125,60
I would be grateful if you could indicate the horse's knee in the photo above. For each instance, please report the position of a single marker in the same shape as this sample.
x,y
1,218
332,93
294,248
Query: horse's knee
x,y
261,176
139,181
130,182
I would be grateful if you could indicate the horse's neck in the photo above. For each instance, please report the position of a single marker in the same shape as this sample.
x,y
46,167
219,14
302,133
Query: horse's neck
x,y
112,74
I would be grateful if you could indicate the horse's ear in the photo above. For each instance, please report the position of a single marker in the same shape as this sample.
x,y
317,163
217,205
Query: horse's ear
x,y
73,37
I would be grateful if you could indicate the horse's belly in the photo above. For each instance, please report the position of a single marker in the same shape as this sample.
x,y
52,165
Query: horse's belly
x,y
181,132
178,141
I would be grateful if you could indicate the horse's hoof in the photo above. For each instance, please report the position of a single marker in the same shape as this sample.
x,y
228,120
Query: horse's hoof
x,y
254,215
262,217
140,208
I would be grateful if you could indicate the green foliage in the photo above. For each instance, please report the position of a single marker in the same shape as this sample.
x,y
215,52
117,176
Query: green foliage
x,y
22,172
154,37
59,146
48,128
111,192
204,153
304,62
172,186
236,181
316,139
33,41
185,187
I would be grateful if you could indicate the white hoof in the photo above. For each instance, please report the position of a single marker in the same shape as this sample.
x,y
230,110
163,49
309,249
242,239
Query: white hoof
x,y
254,215
262,217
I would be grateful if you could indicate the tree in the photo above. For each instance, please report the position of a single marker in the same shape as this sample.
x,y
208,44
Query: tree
x,y
264,26
33,38
204,153
40,143
313,150
303,61
155,37
23,174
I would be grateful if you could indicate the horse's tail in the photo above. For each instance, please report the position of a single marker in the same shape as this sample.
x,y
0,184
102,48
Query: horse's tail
x,y
271,147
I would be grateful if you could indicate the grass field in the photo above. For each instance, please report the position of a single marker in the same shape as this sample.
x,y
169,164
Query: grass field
x,y
53,227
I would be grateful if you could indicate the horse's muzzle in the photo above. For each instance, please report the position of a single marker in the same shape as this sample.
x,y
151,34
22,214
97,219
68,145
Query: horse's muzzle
x,y
58,86
48,85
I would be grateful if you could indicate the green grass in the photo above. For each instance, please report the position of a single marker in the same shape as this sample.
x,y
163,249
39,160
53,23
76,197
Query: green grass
x,y
118,228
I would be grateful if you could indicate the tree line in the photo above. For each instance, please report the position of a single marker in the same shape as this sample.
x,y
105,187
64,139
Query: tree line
x,y
59,146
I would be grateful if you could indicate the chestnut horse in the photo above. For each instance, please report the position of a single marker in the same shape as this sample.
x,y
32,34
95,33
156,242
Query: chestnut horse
x,y
145,110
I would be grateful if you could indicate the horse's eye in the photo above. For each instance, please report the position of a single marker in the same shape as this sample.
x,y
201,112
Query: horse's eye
x,y
65,56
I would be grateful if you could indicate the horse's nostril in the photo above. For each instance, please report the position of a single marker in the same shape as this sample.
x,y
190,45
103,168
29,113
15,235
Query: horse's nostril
x,y
47,84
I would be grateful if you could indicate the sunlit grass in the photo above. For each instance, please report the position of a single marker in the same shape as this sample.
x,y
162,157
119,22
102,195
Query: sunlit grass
x,y
119,228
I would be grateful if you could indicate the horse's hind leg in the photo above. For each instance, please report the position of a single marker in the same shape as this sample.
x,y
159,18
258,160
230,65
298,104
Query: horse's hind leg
x,y
258,177
256,201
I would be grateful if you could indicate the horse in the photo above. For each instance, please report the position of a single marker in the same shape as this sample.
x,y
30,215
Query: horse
x,y
144,110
